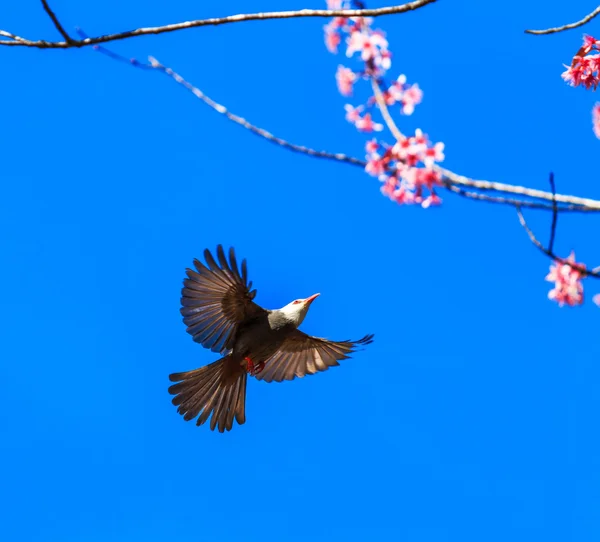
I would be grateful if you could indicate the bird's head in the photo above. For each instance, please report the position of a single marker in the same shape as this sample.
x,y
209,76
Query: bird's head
x,y
297,309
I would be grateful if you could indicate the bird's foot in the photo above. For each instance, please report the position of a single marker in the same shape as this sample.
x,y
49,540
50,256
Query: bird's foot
x,y
252,369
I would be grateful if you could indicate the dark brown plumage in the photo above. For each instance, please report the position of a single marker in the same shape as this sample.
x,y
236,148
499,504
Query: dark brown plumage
x,y
220,314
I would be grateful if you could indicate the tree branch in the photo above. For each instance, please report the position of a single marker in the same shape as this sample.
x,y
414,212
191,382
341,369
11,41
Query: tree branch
x,y
570,26
578,267
69,43
56,22
6,34
389,121
585,204
511,201
451,181
450,178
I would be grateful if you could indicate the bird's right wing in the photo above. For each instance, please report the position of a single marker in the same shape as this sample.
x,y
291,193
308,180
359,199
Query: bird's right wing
x,y
217,298
300,354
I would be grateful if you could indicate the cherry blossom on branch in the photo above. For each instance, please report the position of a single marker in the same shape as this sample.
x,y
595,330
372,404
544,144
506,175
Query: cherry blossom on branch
x,y
566,273
585,71
568,289
406,168
585,66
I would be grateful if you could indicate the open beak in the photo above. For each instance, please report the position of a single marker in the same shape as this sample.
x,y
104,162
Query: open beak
x,y
310,299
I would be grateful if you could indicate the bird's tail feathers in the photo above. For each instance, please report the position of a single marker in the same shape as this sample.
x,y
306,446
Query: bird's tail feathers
x,y
212,389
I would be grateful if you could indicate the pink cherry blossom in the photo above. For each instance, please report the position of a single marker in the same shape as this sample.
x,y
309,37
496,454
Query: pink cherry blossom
x,y
389,185
332,39
589,42
433,154
402,160
383,60
353,113
372,146
366,124
345,79
359,23
406,168
432,200
596,299
363,123
375,165
585,68
568,289
333,35
596,119
370,46
411,97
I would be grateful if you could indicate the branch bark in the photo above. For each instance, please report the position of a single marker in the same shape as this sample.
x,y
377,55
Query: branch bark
x,y
56,22
585,271
570,26
70,43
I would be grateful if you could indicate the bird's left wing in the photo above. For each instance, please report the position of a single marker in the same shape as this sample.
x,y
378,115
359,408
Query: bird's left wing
x,y
216,299
300,355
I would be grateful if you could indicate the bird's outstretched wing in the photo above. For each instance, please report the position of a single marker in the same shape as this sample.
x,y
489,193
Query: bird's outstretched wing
x,y
215,299
300,355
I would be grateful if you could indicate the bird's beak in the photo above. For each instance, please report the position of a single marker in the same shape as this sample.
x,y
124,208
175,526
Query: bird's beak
x,y
310,299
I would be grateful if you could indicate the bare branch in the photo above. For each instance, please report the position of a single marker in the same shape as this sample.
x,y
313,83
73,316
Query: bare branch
x,y
56,22
391,10
578,267
570,26
6,34
245,124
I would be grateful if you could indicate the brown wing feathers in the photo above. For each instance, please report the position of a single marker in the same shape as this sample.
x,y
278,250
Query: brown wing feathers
x,y
215,299
302,355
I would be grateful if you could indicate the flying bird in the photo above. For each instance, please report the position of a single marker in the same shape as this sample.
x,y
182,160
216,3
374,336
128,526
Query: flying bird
x,y
219,311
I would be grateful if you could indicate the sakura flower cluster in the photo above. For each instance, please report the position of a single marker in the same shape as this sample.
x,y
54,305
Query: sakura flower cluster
x,y
596,119
568,289
585,67
406,168
395,167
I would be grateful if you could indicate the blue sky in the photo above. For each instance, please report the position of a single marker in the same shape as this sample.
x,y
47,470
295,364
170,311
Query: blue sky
x,y
473,415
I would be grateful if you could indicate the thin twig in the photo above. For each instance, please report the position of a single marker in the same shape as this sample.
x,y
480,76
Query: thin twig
x,y
570,26
578,267
56,22
390,10
339,157
389,121
554,213
11,36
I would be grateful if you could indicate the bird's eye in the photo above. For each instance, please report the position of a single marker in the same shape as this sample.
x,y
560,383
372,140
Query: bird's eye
x,y
297,301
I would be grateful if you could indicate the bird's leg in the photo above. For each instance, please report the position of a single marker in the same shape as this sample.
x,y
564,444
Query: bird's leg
x,y
252,369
